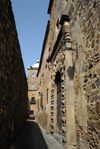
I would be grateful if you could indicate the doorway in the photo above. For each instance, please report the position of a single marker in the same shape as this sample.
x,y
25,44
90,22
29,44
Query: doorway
x,y
59,106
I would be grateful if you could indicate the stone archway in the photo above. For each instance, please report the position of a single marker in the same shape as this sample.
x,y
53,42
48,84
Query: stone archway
x,y
59,105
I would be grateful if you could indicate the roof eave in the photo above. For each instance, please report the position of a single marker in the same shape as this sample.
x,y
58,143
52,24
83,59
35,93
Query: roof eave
x,y
50,6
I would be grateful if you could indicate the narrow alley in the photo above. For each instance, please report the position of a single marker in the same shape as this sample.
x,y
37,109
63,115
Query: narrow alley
x,y
30,138
57,105
34,136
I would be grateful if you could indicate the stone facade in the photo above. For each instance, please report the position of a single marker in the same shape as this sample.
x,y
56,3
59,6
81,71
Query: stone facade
x,y
32,87
43,101
13,83
69,74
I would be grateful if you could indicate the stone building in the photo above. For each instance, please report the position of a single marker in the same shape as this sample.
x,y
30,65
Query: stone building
x,y
32,86
13,83
68,103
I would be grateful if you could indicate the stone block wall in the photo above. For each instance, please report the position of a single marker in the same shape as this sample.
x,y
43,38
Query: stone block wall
x,y
32,87
32,105
32,80
85,73
13,84
42,112
43,105
85,37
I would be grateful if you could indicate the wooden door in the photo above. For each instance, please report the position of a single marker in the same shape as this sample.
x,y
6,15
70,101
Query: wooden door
x,y
59,111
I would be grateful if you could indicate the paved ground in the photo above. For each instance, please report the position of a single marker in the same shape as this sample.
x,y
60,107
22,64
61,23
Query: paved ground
x,y
34,136
30,138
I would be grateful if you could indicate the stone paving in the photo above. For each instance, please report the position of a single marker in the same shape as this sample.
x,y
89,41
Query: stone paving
x,y
34,136
30,138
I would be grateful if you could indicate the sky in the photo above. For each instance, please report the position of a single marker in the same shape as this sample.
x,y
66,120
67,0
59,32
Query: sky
x,y
31,20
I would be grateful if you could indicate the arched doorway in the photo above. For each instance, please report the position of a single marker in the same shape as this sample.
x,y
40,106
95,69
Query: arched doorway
x,y
59,106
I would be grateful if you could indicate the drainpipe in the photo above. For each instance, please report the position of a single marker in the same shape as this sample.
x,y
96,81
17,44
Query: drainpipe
x,y
69,72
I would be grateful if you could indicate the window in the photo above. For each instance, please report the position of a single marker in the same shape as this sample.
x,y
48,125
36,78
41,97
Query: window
x,y
32,101
32,86
33,75
31,111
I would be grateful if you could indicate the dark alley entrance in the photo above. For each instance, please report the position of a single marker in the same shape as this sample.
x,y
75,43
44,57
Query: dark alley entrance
x,y
30,138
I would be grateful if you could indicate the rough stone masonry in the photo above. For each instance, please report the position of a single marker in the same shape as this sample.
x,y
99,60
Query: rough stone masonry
x,y
78,70
13,84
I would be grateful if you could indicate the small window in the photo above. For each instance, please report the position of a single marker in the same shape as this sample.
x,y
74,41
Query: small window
x,y
33,75
32,101
31,111
32,86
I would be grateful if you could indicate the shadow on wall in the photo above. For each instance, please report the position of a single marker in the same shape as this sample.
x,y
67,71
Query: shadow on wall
x,y
70,72
13,83
28,108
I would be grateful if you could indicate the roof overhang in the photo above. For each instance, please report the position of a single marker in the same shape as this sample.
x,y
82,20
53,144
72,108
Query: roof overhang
x,y
32,89
32,68
50,6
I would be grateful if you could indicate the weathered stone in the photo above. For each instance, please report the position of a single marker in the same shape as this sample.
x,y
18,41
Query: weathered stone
x,y
80,104
93,86
87,43
13,83
98,27
97,83
98,108
32,87
97,125
92,34
96,98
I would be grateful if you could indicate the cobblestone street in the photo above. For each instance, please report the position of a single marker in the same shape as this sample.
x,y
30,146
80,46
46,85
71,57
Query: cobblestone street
x,y
30,138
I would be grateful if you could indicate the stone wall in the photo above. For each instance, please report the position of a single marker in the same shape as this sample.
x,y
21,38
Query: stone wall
x,y
13,84
32,105
32,80
32,86
85,36
44,74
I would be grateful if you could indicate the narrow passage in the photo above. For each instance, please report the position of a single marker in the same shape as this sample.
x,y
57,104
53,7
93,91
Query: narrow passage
x,y
30,138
